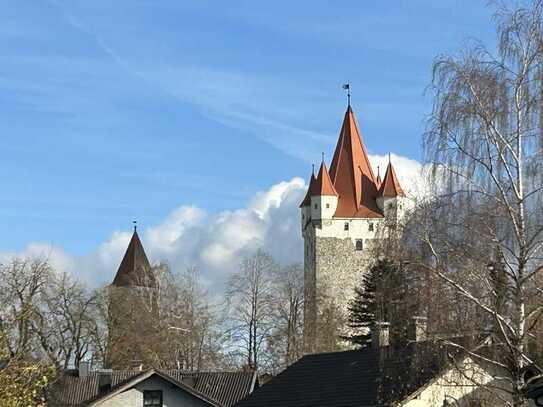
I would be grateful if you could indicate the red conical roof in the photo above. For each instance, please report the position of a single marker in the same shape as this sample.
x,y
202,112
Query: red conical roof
x,y
135,269
323,184
352,175
391,186
307,198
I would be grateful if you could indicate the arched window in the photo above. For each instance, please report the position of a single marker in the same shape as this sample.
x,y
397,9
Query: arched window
x,y
359,244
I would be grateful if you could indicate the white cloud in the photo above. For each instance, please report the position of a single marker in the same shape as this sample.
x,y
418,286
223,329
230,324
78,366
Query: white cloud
x,y
57,257
215,242
413,176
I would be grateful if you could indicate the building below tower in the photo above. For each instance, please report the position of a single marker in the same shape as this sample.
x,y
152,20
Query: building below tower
x,y
345,211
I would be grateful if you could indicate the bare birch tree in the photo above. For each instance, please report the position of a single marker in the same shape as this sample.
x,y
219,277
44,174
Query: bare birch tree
x,y
285,344
193,340
250,299
485,142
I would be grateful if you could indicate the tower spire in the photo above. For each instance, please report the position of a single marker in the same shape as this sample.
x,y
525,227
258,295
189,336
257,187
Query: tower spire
x,y
347,87
135,269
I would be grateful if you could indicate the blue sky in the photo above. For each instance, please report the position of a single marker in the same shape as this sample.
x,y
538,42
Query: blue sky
x,y
115,110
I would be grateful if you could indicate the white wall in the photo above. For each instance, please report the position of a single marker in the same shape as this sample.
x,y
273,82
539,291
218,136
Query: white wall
x,y
319,208
458,387
359,228
172,395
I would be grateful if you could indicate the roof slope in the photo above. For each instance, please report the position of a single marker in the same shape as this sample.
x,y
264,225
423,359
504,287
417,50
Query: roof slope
x,y
307,198
224,387
390,186
134,269
323,184
353,378
378,180
352,175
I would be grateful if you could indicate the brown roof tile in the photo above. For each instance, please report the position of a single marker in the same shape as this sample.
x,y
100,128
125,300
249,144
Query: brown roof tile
x,y
225,387
307,199
135,269
323,184
391,186
352,175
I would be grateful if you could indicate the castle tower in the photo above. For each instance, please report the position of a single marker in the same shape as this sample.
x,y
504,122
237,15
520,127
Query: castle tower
x,y
132,311
343,212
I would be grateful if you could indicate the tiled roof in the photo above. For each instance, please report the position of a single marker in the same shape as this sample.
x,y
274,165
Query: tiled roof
x,y
135,269
391,186
226,388
307,199
323,184
354,378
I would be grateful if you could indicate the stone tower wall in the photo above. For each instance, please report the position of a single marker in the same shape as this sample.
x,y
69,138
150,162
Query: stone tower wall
x,y
332,269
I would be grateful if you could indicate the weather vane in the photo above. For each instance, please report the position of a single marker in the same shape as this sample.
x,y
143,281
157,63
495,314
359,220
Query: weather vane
x,y
135,222
347,87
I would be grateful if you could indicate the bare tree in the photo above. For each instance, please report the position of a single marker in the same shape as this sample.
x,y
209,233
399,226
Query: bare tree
x,y
22,283
285,344
193,339
24,374
250,299
65,321
484,140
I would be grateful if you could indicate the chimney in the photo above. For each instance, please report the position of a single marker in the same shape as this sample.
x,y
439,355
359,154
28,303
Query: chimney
x,y
418,330
380,335
104,381
188,380
84,369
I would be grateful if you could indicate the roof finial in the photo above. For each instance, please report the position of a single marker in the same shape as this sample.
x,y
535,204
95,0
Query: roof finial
x,y
378,171
347,87
313,168
389,157
322,156
135,222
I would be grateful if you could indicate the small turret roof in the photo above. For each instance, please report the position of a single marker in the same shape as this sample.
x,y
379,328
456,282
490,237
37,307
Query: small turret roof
x,y
307,199
323,184
378,180
390,186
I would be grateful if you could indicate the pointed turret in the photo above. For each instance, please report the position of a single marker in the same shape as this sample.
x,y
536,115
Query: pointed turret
x,y
307,198
378,180
390,187
323,184
135,269
352,175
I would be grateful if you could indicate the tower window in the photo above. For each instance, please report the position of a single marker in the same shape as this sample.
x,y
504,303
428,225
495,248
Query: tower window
x,y
346,226
316,206
359,244
152,398
370,227
327,206
303,216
